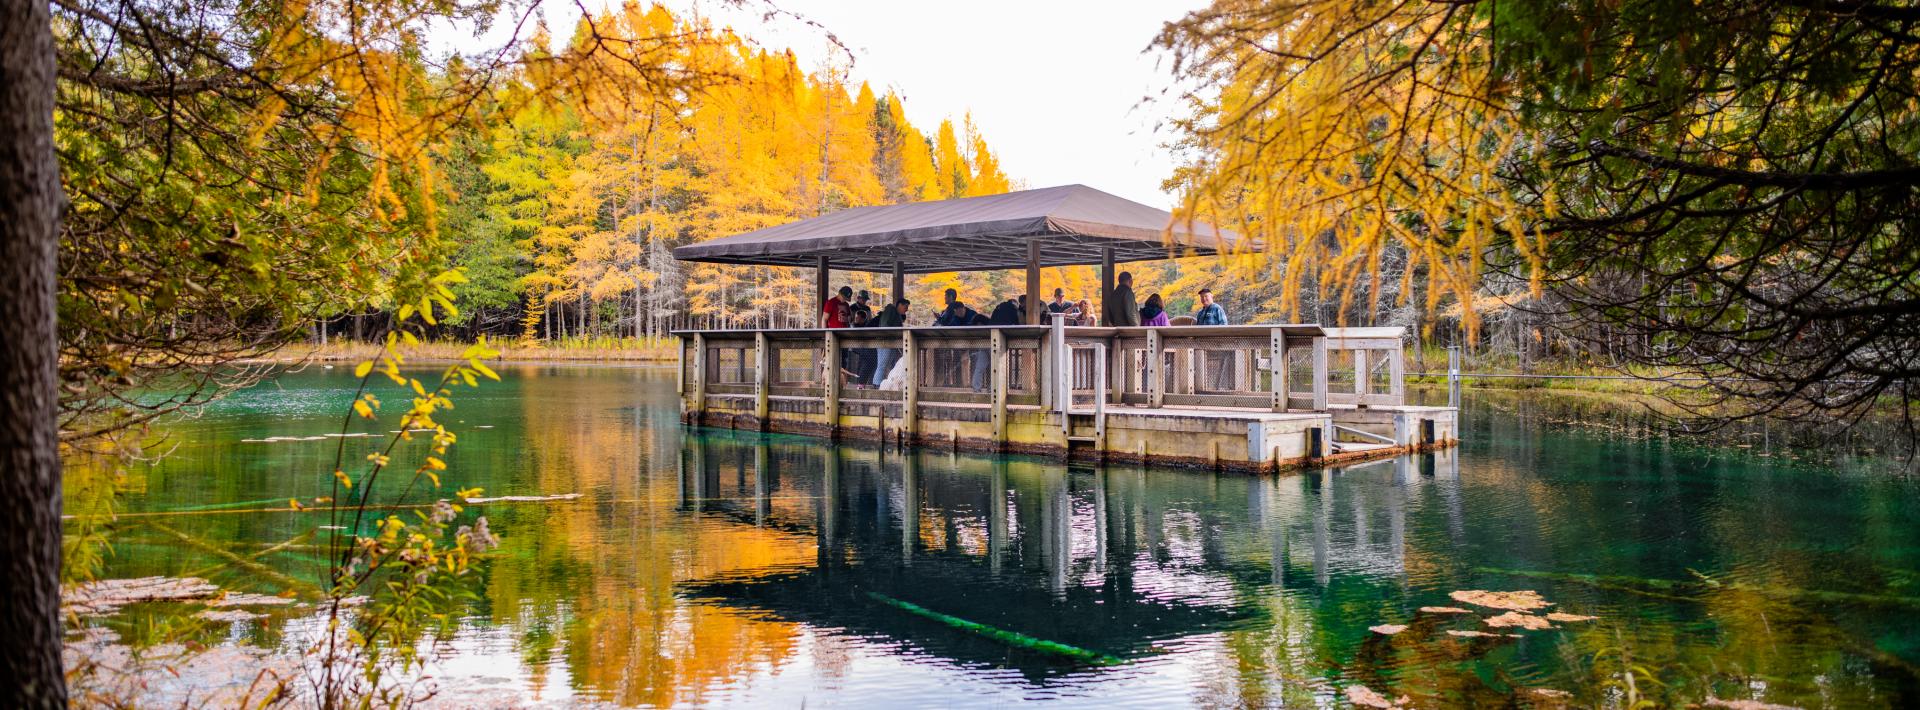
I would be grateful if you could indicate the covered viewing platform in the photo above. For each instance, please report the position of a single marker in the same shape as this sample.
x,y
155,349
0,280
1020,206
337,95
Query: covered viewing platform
x,y
1236,397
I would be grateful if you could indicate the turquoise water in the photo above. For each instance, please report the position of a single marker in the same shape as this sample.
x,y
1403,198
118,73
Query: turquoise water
x,y
725,568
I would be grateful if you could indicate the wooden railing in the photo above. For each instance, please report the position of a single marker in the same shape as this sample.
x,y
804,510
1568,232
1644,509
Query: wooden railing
x,y
1273,367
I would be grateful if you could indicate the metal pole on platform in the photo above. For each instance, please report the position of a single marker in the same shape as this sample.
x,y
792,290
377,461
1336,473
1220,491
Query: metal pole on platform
x,y
1453,376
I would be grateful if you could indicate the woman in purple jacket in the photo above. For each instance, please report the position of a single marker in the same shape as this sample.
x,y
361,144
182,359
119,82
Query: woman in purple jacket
x,y
1153,313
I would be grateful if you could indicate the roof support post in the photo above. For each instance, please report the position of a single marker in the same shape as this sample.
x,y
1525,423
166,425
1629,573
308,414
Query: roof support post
x,y
899,283
1106,282
819,292
1034,308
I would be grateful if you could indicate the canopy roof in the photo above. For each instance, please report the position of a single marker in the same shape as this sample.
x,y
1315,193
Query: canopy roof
x,y
1074,224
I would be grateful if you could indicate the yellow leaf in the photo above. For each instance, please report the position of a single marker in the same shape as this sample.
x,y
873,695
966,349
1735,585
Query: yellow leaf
x,y
362,369
360,407
484,370
343,478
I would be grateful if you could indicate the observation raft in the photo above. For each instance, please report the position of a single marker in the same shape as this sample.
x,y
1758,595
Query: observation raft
x,y
1237,397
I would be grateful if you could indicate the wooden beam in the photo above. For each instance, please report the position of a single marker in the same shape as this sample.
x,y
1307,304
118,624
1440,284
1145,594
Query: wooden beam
x,y
1034,307
832,353
997,366
820,292
1320,374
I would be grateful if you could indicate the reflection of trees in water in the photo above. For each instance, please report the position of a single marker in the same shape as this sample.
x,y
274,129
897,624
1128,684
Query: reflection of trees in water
x,y
1869,446
661,586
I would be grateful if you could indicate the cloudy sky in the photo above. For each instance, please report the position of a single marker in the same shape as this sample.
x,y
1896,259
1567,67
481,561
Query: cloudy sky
x,y
1055,85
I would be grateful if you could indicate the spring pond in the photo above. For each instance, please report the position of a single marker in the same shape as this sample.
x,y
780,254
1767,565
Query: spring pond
x,y
736,569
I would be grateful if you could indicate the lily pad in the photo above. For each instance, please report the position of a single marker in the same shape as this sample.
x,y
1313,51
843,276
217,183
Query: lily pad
x,y
1363,696
1745,705
1514,618
1388,629
107,595
1523,600
1444,610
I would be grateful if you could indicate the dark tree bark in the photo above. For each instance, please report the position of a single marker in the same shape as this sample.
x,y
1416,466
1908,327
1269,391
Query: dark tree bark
x,y
30,203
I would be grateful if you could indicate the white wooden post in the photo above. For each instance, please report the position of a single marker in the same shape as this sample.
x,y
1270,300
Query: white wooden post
x,y
1397,375
699,377
1362,377
1156,386
1277,365
1320,373
997,367
763,361
910,392
832,351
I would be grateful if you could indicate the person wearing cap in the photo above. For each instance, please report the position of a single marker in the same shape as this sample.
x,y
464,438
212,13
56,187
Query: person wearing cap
x,y
1059,304
837,308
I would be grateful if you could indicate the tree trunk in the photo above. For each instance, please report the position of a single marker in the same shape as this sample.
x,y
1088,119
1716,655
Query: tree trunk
x,y
30,203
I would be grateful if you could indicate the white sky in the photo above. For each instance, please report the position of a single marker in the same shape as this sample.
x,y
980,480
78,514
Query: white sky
x,y
1056,86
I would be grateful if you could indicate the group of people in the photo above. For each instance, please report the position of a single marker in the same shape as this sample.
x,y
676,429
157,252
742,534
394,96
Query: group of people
x,y
869,367
864,367
1121,312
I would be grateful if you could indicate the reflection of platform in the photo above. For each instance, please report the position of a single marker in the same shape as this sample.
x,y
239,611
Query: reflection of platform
x,y
1100,620
1221,438
960,548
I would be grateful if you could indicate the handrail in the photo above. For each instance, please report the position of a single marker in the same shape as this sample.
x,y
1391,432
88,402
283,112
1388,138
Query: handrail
x,y
1180,366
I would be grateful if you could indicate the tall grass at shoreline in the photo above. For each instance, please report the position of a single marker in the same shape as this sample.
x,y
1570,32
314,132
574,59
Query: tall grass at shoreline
x,y
585,349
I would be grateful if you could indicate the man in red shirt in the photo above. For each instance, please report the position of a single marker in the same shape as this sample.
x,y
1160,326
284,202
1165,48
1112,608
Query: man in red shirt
x,y
836,308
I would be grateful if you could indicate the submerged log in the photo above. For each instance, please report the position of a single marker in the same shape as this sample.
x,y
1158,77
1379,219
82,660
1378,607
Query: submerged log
x,y
268,573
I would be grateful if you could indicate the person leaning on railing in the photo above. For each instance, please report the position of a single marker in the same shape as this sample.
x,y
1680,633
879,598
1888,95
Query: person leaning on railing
x,y
958,315
893,316
1210,313
1218,363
